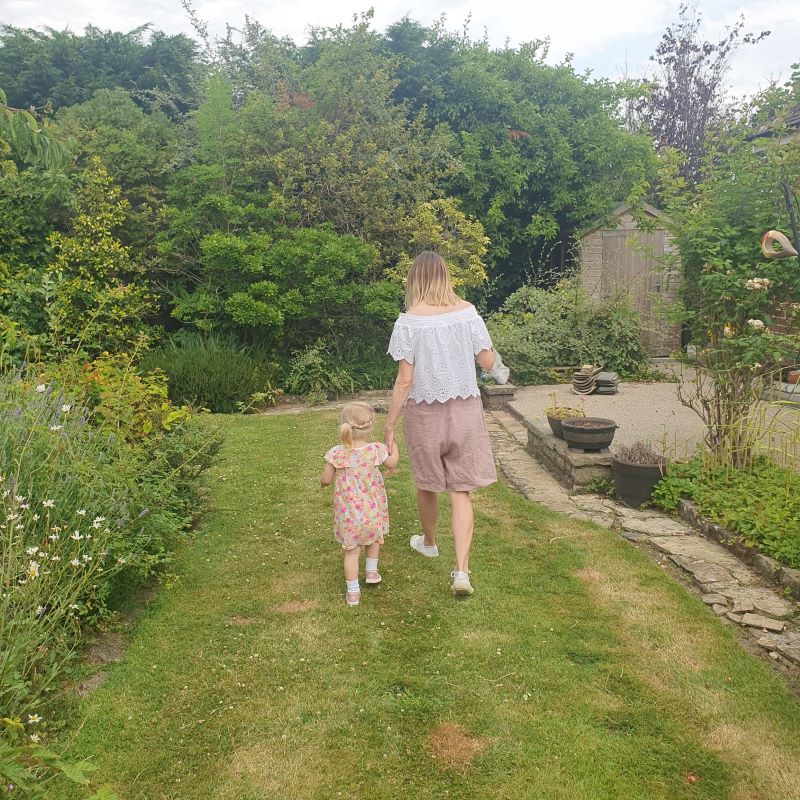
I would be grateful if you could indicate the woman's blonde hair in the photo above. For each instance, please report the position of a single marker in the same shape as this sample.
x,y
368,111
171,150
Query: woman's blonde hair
x,y
429,282
356,416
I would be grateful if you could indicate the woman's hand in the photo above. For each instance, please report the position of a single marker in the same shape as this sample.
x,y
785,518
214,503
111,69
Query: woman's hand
x,y
388,438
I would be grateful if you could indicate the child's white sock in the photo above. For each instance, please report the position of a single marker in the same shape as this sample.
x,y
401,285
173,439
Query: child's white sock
x,y
461,576
352,586
371,564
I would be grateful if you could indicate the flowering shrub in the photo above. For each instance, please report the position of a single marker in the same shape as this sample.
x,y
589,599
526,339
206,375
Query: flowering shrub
x,y
731,291
85,511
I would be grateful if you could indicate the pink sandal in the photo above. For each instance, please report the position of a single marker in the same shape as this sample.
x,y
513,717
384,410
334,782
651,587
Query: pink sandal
x,y
372,576
352,598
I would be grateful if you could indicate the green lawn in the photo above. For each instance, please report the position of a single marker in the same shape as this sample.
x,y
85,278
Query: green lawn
x,y
577,669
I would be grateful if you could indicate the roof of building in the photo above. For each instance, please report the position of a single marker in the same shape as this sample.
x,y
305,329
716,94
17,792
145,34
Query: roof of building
x,y
618,212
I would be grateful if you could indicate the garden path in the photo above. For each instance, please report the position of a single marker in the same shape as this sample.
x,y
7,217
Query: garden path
x,y
577,671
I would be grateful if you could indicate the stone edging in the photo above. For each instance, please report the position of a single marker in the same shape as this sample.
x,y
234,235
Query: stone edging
x,y
769,569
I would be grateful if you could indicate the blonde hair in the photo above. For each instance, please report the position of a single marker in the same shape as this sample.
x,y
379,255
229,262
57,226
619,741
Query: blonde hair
x,y
429,282
356,416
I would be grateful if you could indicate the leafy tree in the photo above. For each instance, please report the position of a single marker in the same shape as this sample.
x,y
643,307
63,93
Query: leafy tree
x,y
140,151
685,97
541,148
61,68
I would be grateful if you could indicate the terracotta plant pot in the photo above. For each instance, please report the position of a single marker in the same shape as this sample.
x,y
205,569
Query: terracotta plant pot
x,y
793,376
588,433
634,483
555,426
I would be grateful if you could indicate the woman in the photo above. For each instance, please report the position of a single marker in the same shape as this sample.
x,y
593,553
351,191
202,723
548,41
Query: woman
x,y
436,343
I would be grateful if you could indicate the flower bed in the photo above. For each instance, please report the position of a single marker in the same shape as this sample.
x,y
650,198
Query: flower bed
x,y
96,477
761,503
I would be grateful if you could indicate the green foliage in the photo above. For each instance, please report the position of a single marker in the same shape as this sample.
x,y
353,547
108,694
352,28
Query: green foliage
x,y
541,148
317,375
139,150
99,296
27,136
761,503
61,68
731,292
211,372
537,329
93,502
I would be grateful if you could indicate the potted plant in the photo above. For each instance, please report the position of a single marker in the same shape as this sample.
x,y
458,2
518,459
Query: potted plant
x,y
588,433
637,469
556,413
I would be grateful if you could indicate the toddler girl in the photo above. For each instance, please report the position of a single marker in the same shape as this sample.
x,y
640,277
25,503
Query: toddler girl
x,y
360,508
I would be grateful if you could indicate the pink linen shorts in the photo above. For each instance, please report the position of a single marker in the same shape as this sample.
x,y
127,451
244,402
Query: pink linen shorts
x,y
448,445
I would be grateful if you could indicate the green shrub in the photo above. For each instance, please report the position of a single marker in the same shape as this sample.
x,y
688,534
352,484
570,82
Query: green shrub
x,y
213,372
761,503
317,374
537,329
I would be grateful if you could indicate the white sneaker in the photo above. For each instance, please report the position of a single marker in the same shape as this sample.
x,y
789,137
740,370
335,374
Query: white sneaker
x,y
461,586
418,543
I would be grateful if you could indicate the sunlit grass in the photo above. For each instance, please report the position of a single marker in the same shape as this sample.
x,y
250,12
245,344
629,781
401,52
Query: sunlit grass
x,y
577,670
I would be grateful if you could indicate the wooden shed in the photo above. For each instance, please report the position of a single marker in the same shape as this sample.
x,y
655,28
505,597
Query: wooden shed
x,y
621,257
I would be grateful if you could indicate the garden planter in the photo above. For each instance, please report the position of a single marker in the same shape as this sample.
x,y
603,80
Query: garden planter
x,y
793,376
633,483
555,426
588,433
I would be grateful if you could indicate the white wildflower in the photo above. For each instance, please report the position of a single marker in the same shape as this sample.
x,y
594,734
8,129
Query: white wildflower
x,y
121,561
53,537
24,506
56,428
97,522
34,737
66,408
35,517
74,606
33,570
40,610
12,517
757,284
41,388
31,551
19,526
76,562
81,512
19,498
757,324
55,558
33,719
49,503
77,536
87,558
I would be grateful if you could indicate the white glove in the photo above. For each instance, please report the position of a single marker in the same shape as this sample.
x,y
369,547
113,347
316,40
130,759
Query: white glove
x,y
499,372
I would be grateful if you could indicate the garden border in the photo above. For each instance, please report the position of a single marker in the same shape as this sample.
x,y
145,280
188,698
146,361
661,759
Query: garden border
x,y
769,569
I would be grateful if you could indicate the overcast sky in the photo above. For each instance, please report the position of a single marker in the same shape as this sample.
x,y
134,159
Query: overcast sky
x,y
605,36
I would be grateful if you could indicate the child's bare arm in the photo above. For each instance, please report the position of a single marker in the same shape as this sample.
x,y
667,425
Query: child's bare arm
x,y
394,457
327,475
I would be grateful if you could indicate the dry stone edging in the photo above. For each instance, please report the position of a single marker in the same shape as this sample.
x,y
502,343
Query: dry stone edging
x,y
769,569
737,591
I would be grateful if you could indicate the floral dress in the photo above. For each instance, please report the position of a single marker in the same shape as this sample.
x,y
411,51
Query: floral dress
x,y
360,508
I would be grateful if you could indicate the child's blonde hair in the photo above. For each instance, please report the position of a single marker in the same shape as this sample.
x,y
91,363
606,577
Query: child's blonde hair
x,y
429,281
357,416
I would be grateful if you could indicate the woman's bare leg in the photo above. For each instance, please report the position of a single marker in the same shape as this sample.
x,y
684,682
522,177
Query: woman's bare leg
x,y
427,503
462,528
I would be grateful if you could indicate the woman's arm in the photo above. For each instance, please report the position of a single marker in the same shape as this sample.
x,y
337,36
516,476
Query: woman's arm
x,y
485,359
402,386
393,459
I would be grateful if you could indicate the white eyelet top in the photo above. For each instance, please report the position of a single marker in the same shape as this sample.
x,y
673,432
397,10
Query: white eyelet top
x,y
442,349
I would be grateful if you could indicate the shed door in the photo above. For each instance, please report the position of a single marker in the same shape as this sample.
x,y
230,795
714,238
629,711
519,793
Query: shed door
x,y
631,264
